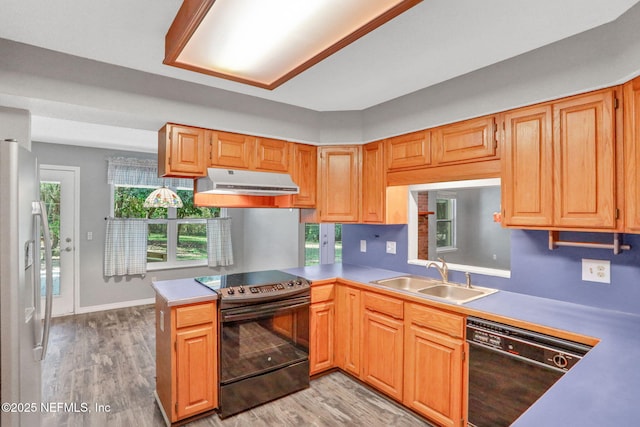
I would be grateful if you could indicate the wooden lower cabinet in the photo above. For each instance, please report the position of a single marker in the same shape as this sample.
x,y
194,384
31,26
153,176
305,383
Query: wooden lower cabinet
x,y
411,352
186,359
194,369
321,354
434,364
348,332
382,350
322,315
433,383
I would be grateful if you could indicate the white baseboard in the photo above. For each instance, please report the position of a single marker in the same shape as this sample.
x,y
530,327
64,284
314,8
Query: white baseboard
x,y
115,305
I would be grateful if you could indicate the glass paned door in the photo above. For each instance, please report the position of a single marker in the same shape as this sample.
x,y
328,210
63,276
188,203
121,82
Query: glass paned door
x,y
58,191
323,243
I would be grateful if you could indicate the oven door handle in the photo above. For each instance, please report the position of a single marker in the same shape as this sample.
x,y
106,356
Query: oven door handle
x,y
266,310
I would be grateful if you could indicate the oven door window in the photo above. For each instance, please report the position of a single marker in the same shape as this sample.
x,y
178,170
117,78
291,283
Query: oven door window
x,y
269,339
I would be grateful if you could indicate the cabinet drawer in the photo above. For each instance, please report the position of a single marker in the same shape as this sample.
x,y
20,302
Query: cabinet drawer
x,y
194,315
383,304
437,320
322,293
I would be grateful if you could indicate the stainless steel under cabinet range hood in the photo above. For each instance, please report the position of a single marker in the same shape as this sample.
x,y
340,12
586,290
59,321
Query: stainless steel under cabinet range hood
x,y
242,182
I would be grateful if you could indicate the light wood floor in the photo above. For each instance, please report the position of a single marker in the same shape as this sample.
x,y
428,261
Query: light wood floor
x,y
108,358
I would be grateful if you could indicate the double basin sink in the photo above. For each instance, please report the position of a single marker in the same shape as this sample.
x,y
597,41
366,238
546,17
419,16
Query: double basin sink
x,y
451,292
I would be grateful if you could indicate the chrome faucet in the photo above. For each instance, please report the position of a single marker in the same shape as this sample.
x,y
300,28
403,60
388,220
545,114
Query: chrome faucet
x,y
444,270
467,275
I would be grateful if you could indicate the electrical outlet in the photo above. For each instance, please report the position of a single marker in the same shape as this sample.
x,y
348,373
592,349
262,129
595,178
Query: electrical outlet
x,y
363,246
89,235
391,247
594,270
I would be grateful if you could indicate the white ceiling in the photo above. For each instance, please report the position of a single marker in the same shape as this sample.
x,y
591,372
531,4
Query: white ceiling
x,y
435,41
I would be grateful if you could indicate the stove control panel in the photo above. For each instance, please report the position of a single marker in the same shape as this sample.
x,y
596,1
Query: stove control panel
x,y
270,289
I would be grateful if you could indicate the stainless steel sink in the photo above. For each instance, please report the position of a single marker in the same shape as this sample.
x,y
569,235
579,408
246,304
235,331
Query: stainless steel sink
x,y
438,289
407,283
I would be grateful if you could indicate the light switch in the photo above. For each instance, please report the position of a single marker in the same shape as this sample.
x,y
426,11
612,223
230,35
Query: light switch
x,y
363,246
594,270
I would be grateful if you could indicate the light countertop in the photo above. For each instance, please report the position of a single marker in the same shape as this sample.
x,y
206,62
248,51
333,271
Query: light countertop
x,y
599,391
182,292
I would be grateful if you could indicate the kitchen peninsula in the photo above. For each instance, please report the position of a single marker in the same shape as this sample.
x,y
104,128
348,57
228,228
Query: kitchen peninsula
x,y
577,399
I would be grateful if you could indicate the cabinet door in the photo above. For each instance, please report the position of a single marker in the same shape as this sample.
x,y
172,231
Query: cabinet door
x,y
468,140
231,150
434,376
632,155
322,337
196,383
527,165
305,174
410,150
339,183
373,183
382,353
584,161
349,319
271,155
181,151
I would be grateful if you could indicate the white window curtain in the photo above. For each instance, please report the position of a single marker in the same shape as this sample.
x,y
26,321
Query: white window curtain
x,y
219,244
141,172
125,251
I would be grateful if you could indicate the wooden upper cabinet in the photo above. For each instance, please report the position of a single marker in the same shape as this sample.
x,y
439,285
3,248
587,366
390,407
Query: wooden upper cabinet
x,y
559,164
373,183
181,151
381,204
339,183
527,162
230,150
304,172
407,151
464,141
585,161
271,155
632,154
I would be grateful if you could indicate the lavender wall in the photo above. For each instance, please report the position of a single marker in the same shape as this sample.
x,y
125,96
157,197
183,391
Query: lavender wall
x,y
535,270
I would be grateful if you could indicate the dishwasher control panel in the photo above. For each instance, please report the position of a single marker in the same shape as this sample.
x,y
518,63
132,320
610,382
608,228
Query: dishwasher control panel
x,y
526,345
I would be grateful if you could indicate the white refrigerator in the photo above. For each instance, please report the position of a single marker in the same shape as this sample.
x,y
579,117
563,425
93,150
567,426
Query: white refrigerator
x,y
24,242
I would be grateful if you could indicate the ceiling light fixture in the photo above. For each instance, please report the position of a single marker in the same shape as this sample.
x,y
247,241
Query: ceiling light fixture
x,y
265,43
163,198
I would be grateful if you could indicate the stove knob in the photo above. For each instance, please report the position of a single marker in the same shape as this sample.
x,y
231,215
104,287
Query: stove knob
x,y
290,284
241,290
231,291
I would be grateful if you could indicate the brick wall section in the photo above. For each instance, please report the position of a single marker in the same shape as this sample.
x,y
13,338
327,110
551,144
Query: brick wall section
x,y
423,226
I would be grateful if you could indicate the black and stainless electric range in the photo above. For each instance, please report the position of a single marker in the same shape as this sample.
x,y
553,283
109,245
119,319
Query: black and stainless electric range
x,y
264,337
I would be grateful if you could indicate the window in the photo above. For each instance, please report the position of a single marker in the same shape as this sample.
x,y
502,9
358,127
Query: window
x,y
323,243
445,223
455,221
177,237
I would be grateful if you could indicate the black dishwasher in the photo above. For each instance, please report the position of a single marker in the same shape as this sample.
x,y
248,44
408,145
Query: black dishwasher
x,y
510,368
